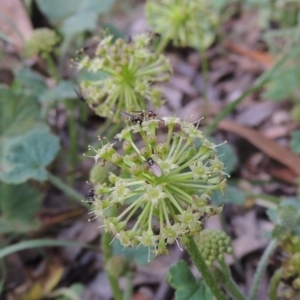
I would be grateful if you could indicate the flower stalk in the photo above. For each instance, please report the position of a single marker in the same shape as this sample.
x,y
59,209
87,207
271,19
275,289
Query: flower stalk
x,y
199,262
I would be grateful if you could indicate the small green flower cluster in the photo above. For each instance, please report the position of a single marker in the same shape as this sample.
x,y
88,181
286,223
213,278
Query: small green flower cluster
x,y
42,42
130,69
185,22
213,244
164,185
290,266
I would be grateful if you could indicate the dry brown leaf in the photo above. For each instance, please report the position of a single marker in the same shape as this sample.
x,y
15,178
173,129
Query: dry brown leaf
x,y
41,286
266,145
263,58
14,13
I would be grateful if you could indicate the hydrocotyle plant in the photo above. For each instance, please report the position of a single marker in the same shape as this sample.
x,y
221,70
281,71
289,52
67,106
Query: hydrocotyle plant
x,y
165,185
126,74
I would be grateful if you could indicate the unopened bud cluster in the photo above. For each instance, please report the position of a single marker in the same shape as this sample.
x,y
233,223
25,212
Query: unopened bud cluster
x,y
186,22
42,42
290,266
165,184
213,244
126,71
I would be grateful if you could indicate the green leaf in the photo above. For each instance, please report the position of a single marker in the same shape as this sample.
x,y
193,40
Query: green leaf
x,y
64,90
29,155
74,292
286,217
228,157
38,243
74,17
187,287
33,82
19,113
231,195
84,21
57,10
284,84
138,255
295,141
19,202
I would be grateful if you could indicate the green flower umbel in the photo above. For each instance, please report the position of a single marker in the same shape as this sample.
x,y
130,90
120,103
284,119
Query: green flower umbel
x,y
185,22
164,187
126,71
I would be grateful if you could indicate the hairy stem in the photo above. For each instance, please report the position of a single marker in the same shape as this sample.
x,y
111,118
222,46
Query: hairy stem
x,y
274,284
202,267
228,282
106,248
128,291
68,190
261,268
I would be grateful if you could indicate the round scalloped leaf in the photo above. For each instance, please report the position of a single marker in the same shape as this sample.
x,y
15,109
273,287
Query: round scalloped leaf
x,y
19,113
29,155
184,282
19,205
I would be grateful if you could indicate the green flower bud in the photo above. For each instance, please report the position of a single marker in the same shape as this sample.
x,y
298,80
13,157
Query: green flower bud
x,y
42,41
117,266
216,240
116,158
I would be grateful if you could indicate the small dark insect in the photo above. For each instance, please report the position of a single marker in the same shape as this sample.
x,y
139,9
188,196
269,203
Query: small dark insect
x,y
80,95
90,196
132,118
129,39
154,167
146,114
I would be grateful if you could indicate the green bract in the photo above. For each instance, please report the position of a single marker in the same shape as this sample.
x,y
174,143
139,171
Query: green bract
x,y
213,244
130,69
167,204
185,22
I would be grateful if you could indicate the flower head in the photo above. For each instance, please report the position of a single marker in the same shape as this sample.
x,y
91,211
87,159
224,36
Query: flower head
x,y
126,72
41,42
165,185
185,22
213,244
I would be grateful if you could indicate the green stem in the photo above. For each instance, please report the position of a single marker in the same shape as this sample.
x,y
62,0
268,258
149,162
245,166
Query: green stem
x,y
107,123
237,264
202,267
264,78
73,138
52,68
163,42
228,282
57,182
261,268
128,290
274,284
106,248
65,293
204,70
